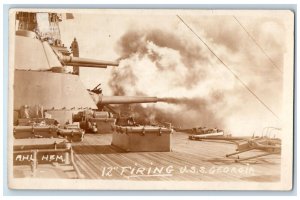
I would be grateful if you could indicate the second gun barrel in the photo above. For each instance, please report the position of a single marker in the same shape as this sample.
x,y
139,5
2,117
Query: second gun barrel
x,y
127,99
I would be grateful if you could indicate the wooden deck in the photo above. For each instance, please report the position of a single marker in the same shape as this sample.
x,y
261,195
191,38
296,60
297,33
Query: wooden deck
x,y
59,171
188,161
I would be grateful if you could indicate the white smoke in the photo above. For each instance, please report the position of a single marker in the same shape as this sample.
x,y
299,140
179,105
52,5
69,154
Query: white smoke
x,y
158,63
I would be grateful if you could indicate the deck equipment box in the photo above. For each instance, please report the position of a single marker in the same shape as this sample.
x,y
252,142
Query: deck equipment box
x,y
33,131
142,138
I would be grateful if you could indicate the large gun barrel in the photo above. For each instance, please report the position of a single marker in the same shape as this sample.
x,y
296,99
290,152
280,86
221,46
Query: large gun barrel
x,y
127,100
86,62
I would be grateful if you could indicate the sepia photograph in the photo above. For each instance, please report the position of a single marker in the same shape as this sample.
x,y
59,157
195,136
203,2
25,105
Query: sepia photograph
x,y
150,99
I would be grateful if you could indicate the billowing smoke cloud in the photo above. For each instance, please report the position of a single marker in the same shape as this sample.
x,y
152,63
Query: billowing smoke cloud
x,y
155,44
199,91
159,63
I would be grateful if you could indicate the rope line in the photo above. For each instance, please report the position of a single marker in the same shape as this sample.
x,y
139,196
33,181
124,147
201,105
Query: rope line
x,y
262,50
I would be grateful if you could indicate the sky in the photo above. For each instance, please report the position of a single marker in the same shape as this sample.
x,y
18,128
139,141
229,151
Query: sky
x,y
160,56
